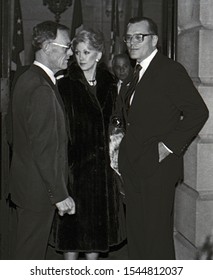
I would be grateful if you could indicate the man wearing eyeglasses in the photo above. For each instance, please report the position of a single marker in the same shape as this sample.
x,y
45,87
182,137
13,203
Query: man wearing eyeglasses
x,y
38,174
164,112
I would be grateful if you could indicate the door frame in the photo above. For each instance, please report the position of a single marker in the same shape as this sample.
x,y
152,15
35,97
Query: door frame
x,y
5,51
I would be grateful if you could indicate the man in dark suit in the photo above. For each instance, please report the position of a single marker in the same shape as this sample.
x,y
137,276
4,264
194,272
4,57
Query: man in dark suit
x,y
164,113
38,174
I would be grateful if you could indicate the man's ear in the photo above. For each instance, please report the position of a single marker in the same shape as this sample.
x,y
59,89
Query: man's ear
x,y
154,40
46,47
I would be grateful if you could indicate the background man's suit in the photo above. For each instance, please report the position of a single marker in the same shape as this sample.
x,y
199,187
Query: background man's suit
x,y
164,93
38,175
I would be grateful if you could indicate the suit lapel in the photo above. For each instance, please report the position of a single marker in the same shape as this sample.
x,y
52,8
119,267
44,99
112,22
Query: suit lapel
x,y
149,77
152,70
42,73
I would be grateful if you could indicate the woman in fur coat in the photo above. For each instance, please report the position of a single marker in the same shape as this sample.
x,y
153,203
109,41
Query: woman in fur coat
x,y
89,94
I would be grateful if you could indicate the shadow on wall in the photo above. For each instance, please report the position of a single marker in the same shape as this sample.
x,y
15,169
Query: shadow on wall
x,y
205,252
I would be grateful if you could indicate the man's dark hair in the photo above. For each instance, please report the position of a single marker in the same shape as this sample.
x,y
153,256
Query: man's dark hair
x,y
152,25
121,55
45,31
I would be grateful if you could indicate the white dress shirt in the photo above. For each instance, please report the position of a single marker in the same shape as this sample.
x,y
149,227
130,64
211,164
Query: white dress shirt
x,y
119,84
145,63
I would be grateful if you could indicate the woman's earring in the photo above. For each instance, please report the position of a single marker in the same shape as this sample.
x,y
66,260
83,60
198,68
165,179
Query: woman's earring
x,y
97,60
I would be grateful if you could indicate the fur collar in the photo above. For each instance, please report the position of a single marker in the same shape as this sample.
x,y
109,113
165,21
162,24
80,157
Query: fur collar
x,y
102,74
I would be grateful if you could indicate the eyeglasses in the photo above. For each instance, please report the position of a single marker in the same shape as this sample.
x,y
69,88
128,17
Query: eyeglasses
x,y
137,38
67,47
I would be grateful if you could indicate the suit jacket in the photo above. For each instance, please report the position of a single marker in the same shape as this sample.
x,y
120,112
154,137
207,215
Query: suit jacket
x,y
119,111
38,173
166,108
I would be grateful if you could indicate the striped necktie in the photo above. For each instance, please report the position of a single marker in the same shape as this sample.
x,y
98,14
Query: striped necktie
x,y
132,85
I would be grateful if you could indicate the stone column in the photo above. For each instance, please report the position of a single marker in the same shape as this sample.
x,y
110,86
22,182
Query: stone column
x,y
194,198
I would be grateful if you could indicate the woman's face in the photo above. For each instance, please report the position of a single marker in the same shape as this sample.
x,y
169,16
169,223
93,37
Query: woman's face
x,y
86,56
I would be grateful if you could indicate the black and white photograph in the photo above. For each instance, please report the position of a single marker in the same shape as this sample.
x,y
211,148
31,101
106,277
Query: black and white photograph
x,y
106,133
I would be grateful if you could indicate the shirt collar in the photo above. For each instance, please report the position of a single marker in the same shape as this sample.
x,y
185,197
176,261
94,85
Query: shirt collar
x,y
47,70
145,63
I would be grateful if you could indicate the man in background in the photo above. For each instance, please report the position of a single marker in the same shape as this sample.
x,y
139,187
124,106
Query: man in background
x,y
38,173
122,70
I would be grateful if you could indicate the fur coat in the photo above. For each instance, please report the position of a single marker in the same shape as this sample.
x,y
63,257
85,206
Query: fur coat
x,y
99,219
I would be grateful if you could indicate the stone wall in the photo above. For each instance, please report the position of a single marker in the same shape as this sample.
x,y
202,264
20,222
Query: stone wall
x,y
194,198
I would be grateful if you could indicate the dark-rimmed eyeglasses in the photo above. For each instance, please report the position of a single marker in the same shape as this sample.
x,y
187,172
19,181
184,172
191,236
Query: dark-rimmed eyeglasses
x,y
67,47
136,38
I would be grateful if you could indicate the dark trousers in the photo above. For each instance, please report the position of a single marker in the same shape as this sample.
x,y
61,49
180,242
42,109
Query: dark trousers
x,y
149,212
33,230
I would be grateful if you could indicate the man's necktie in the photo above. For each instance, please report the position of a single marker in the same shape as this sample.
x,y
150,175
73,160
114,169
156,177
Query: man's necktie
x,y
132,85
